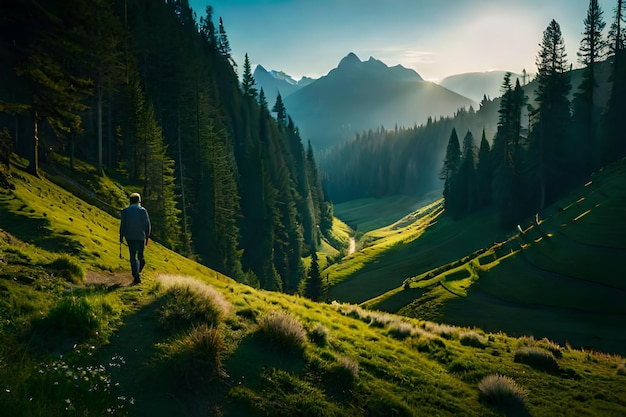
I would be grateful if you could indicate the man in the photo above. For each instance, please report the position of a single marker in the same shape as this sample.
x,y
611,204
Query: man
x,y
135,227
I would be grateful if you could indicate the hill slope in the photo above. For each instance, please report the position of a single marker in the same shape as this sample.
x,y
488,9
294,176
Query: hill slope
x,y
189,341
560,277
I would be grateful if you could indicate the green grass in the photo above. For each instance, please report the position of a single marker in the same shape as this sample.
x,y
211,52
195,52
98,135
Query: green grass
x,y
208,355
367,214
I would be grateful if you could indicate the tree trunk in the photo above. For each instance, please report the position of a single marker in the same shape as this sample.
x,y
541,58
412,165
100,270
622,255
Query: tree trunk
x,y
100,169
33,168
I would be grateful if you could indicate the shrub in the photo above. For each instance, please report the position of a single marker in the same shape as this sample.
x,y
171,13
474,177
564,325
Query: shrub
x,y
537,358
68,269
503,392
472,338
189,302
319,335
72,316
197,355
282,329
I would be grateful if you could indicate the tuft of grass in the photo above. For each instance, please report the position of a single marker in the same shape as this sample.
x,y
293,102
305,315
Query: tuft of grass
x,y
400,329
471,338
503,392
537,358
379,320
197,355
72,316
344,373
66,267
319,335
188,302
282,329
443,330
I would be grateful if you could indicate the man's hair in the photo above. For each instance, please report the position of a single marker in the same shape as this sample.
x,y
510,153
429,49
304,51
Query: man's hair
x,y
135,198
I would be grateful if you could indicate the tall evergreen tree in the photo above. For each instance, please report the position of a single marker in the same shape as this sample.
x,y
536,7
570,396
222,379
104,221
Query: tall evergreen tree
x,y
484,172
248,82
223,45
551,161
315,289
280,110
450,167
51,87
617,32
613,117
465,178
586,156
507,157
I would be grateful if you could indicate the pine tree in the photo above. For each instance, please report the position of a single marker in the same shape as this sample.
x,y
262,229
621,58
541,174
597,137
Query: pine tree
x,y
280,110
613,117
617,32
466,176
507,159
103,60
223,45
262,100
51,86
315,289
550,148
248,82
484,172
585,111
450,167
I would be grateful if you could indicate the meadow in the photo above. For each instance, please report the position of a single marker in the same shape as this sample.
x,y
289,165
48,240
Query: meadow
x,y
77,340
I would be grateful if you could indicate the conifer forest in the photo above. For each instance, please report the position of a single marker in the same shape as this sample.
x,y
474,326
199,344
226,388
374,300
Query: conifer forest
x,y
148,93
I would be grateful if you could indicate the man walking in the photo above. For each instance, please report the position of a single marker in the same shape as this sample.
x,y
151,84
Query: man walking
x,y
135,227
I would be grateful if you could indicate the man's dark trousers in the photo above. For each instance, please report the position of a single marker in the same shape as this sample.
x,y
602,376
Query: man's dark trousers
x,y
137,261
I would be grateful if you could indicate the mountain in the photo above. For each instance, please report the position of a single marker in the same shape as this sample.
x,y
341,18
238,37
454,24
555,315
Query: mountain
x,y
274,82
476,85
361,95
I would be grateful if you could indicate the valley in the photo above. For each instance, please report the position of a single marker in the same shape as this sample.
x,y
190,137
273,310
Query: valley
x,y
558,276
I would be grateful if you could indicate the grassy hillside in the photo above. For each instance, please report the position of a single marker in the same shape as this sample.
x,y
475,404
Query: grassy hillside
x,y
77,340
560,277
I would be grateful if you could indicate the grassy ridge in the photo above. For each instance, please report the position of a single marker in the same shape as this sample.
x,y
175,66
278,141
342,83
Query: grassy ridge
x,y
189,341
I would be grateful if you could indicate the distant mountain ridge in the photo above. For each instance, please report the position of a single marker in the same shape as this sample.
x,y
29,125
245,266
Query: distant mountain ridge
x,y
274,82
476,85
361,95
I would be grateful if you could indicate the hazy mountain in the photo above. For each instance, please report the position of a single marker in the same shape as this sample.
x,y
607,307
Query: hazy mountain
x,y
361,95
476,85
274,82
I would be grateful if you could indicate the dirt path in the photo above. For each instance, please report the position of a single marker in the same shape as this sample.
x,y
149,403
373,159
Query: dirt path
x,y
352,248
109,279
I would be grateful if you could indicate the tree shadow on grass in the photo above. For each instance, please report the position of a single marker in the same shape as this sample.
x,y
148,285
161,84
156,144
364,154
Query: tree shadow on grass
x,y
37,231
256,354
139,371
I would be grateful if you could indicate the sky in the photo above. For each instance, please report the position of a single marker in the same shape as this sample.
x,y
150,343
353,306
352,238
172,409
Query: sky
x,y
436,38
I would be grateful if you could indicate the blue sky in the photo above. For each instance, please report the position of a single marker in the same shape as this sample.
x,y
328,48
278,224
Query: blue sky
x,y
437,38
